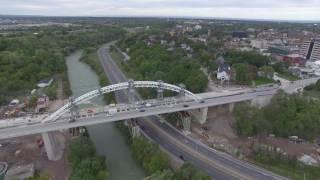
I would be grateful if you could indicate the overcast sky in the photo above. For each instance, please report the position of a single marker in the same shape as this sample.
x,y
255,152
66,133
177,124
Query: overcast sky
x,y
248,9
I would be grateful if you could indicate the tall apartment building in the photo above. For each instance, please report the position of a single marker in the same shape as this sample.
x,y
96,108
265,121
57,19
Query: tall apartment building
x,y
310,50
315,55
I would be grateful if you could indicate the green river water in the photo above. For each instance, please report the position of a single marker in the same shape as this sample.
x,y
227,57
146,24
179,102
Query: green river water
x,y
107,138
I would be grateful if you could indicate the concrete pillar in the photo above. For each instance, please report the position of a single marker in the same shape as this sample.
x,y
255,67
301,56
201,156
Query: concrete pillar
x,y
231,107
131,91
186,122
200,114
53,146
261,101
160,91
74,110
135,131
182,93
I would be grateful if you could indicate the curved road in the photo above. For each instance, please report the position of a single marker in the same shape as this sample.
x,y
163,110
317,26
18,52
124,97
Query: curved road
x,y
218,165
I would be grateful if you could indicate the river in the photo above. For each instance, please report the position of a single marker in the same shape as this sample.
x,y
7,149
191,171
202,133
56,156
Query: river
x,y
107,138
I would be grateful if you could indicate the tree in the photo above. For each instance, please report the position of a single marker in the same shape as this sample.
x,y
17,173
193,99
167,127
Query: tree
x,y
162,175
189,172
266,71
245,73
80,149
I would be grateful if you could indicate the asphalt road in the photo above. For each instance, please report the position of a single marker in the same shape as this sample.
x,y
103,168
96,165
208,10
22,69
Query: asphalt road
x,y
218,165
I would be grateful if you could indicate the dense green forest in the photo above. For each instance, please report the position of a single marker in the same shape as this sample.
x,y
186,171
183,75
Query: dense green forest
x,y
85,163
26,58
156,63
286,115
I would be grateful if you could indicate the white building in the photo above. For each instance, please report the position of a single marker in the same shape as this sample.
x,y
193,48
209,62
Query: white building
x,y
310,50
315,66
197,27
259,44
315,55
224,72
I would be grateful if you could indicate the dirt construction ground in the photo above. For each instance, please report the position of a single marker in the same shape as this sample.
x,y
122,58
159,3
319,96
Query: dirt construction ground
x,y
25,150
218,132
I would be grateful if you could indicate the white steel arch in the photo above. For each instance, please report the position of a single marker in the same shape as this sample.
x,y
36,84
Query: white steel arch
x,y
116,87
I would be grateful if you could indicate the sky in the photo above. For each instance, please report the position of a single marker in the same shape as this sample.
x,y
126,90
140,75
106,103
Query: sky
x,y
239,9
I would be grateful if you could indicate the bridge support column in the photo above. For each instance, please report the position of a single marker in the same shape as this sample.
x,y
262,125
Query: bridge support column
x,y
78,131
182,93
131,91
135,131
53,146
200,114
74,110
231,107
261,101
186,122
160,91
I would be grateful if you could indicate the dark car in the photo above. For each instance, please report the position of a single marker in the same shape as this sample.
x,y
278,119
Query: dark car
x,y
181,157
142,110
185,105
71,120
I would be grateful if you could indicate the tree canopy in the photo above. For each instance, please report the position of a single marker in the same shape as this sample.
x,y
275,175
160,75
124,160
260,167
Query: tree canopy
x,y
26,58
286,115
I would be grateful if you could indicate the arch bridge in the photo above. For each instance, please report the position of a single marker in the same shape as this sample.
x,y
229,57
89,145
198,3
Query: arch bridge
x,y
130,86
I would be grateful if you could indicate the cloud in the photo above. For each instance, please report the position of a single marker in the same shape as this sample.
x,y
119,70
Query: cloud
x,y
261,9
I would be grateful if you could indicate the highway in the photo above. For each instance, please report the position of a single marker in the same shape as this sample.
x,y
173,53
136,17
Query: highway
x,y
218,165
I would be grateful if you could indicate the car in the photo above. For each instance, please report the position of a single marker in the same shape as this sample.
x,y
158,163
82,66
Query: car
x,y
181,157
142,110
185,105
202,101
72,120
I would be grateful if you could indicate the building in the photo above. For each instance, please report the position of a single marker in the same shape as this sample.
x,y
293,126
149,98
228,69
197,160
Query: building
x,y
306,49
294,59
42,103
224,70
315,54
3,170
301,72
239,34
279,50
315,66
259,44
197,27
310,50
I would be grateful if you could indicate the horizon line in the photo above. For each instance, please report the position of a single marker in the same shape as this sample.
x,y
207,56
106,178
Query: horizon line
x,y
163,17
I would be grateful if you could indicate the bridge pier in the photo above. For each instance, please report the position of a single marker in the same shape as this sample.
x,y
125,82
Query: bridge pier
x,y
131,90
231,107
182,93
78,131
74,110
160,90
53,146
200,114
186,122
135,131
261,101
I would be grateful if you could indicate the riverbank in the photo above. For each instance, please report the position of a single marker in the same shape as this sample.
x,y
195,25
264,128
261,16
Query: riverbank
x,y
107,139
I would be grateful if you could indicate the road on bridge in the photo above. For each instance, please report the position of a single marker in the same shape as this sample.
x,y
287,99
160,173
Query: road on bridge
x,y
218,165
